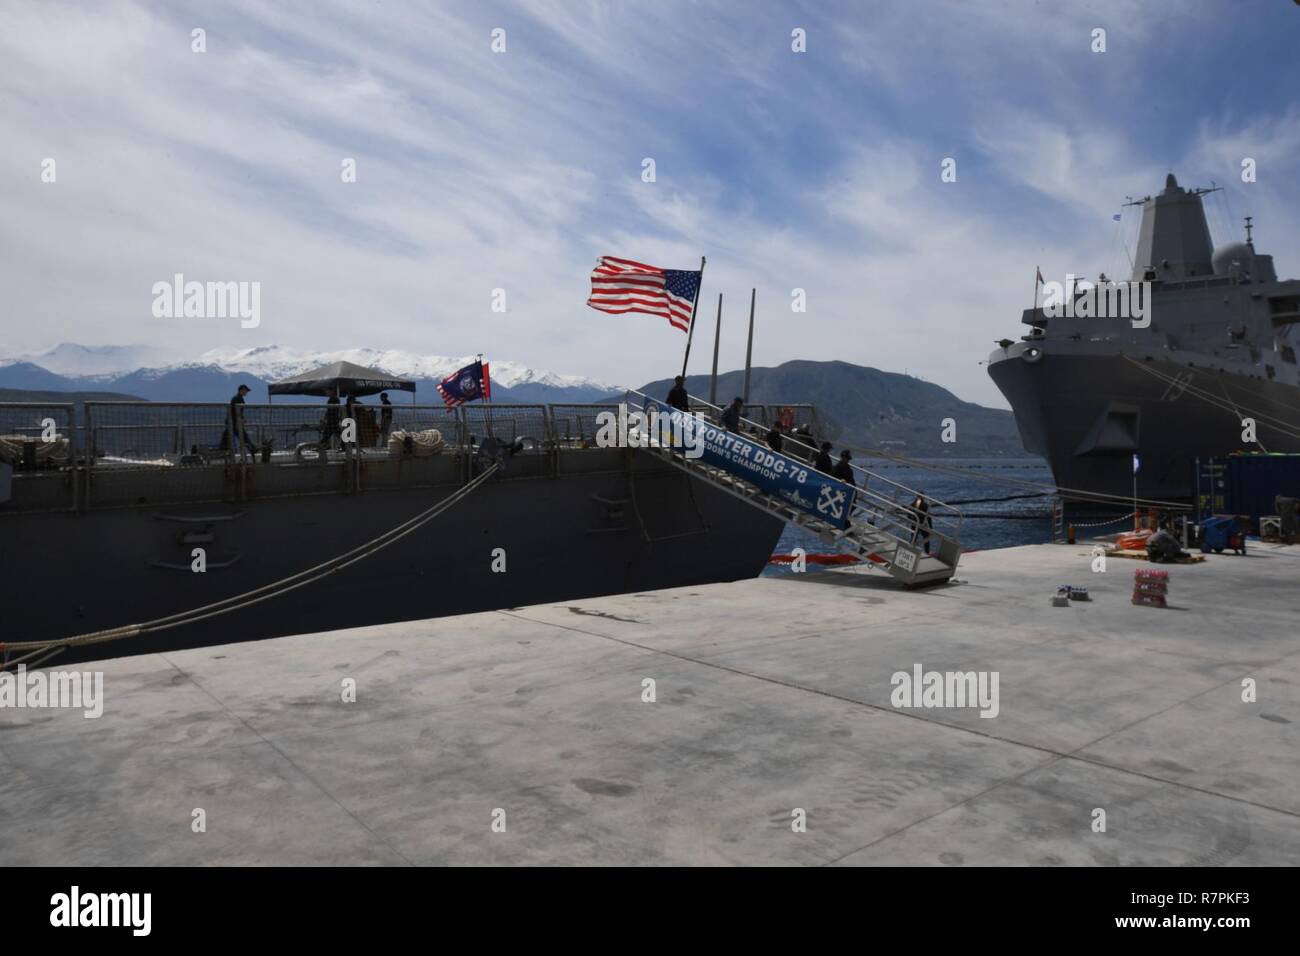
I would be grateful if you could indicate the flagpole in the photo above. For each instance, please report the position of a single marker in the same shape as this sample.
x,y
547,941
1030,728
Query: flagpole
x,y
1135,492
1037,272
690,332
717,336
749,344
487,398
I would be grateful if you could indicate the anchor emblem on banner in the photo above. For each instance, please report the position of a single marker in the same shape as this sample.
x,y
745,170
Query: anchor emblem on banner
x,y
830,501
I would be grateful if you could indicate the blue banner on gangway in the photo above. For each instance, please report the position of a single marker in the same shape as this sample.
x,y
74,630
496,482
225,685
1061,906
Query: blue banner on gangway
x,y
772,472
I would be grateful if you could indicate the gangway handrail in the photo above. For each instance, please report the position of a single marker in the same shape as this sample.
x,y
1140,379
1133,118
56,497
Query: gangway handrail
x,y
764,429
887,508
884,533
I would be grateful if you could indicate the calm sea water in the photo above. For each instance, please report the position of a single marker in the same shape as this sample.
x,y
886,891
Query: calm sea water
x,y
985,524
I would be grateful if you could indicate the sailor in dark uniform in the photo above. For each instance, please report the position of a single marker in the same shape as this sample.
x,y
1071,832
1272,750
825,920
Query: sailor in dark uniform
x,y
731,415
677,396
924,523
385,417
330,428
823,460
844,472
774,440
237,420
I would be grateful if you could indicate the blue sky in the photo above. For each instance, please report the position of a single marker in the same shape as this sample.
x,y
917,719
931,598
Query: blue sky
x,y
481,170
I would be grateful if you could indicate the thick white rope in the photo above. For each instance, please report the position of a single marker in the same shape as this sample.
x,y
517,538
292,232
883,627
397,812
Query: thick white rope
x,y
264,593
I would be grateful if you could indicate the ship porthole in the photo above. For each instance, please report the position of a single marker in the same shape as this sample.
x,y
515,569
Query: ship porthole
x,y
1032,354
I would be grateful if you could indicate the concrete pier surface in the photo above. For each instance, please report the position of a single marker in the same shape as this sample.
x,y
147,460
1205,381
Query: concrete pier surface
x,y
771,696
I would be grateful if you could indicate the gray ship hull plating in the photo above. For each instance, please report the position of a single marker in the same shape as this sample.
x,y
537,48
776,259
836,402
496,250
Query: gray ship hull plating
x,y
1089,414
612,522
1213,350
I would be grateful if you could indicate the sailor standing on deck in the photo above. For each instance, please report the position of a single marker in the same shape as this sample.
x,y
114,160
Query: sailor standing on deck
x,y
677,396
385,418
331,427
237,419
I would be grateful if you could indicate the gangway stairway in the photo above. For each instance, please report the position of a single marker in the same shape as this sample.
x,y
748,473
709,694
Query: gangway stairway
x,y
882,529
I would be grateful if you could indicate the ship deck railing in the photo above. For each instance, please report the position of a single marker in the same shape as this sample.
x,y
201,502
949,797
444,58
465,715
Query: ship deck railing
x,y
72,457
110,454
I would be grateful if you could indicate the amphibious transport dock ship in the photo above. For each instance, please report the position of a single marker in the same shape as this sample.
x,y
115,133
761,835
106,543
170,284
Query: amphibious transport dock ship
x,y
105,509
1090,393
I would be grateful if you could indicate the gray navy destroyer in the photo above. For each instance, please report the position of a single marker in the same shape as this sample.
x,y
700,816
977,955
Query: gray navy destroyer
x,y
105,507
1090,393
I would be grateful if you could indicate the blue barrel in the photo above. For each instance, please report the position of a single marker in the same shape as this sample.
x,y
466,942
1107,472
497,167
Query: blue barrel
x,y
1214,533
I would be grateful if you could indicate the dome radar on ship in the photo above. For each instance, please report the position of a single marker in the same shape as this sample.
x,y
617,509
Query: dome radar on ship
x,y
1240,259
1234,258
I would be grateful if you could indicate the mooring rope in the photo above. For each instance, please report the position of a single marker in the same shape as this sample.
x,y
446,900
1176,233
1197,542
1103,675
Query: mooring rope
x,y
1277,424
1073,494
1008,516
976,501
248,598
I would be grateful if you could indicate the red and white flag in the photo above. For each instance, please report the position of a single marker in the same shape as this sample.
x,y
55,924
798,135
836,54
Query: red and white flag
x,y
621,285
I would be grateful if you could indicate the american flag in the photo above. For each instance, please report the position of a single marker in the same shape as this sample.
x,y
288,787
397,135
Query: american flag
x,y
621,285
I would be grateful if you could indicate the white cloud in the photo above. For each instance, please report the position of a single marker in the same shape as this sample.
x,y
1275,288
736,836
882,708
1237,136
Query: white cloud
x,y
478,171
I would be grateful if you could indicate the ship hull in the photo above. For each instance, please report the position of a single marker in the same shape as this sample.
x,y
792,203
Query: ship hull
x,y
622,524
1088,414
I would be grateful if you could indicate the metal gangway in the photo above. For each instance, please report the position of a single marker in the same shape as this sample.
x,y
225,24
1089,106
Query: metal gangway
x,y
882,529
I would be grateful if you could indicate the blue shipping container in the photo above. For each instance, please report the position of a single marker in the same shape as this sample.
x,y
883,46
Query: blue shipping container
x,y
1255,480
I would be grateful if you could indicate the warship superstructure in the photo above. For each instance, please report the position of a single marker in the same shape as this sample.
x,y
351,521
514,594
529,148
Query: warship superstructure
x,y
1090,393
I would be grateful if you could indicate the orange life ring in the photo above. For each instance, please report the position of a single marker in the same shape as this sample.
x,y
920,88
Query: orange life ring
x,y
786,417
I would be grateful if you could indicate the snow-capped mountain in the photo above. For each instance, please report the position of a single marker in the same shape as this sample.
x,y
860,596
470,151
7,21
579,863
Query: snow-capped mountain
x,y
69,358
272,362
156,375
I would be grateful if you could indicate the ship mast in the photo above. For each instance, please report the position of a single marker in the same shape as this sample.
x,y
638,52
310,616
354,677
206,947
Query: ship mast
x,y
1174,239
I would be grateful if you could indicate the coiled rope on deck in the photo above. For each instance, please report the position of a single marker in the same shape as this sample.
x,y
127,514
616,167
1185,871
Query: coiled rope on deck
x,y
49,648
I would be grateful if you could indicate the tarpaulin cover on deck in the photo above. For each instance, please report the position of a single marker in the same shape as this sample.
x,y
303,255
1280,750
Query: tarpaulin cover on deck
x,y
348,378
